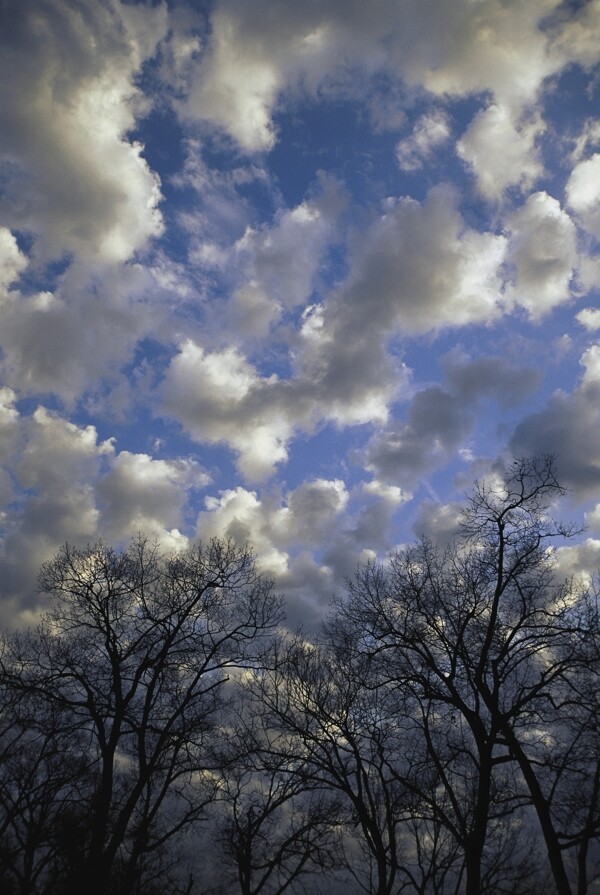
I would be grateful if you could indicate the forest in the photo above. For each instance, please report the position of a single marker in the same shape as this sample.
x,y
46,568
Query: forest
x,y
162,730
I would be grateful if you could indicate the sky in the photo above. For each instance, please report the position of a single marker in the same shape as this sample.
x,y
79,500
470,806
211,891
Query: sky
x,y
292,273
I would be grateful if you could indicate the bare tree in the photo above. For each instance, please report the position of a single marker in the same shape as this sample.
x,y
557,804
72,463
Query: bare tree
x,y
278,826
345,736
487,646
136,652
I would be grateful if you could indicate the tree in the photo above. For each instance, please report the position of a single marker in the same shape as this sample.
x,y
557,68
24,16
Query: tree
x,y
276,824
344,737
44,778
487,648
134,656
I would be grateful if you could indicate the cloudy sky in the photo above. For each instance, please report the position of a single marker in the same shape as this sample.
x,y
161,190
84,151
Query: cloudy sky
x,y
292,272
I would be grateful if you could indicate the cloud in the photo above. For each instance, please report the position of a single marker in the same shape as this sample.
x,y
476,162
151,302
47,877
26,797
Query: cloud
x,y
219,397
592,520
142,494
9,423
70,486
220,212
430,131
580,561
569,428
68,99
63,342
283,259
501,151
419,268
57,465
583,194
440,420
305,517
590,318
489,377
543,251
12,260
307,538
253,56
438,522
436,426
280,263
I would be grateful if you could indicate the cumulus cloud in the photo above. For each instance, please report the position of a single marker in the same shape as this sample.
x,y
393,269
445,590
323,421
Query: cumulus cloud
x,y
590,318
281,262
580,561
436,426
12,260
501,151
72,178
308,538
569,428
583,194
58,463
304,518
439,421
251,58
142,494
419,268
283,304
489,377
543,251
71,486
283,258
438,522
220,397
430,131
64,341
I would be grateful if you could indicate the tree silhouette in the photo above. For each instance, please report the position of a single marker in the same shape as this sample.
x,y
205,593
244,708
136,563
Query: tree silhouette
x,y
134,656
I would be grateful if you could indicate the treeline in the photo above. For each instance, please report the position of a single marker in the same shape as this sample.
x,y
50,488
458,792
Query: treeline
x,y
161,731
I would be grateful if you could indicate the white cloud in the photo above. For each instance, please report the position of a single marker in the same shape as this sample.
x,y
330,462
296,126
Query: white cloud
x,y
12,260
65,341
543,249
580,561
239,514
488,46
288,530
256,53
590,318
279,264
575,39
142,494
590,361
68,99
219,397
592,520
416,268
587,139
58,463
501,151
430,131
583,193
283,259
438,522
419,268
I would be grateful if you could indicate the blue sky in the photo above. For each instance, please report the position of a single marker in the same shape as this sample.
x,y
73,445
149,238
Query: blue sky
x,y
296,273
